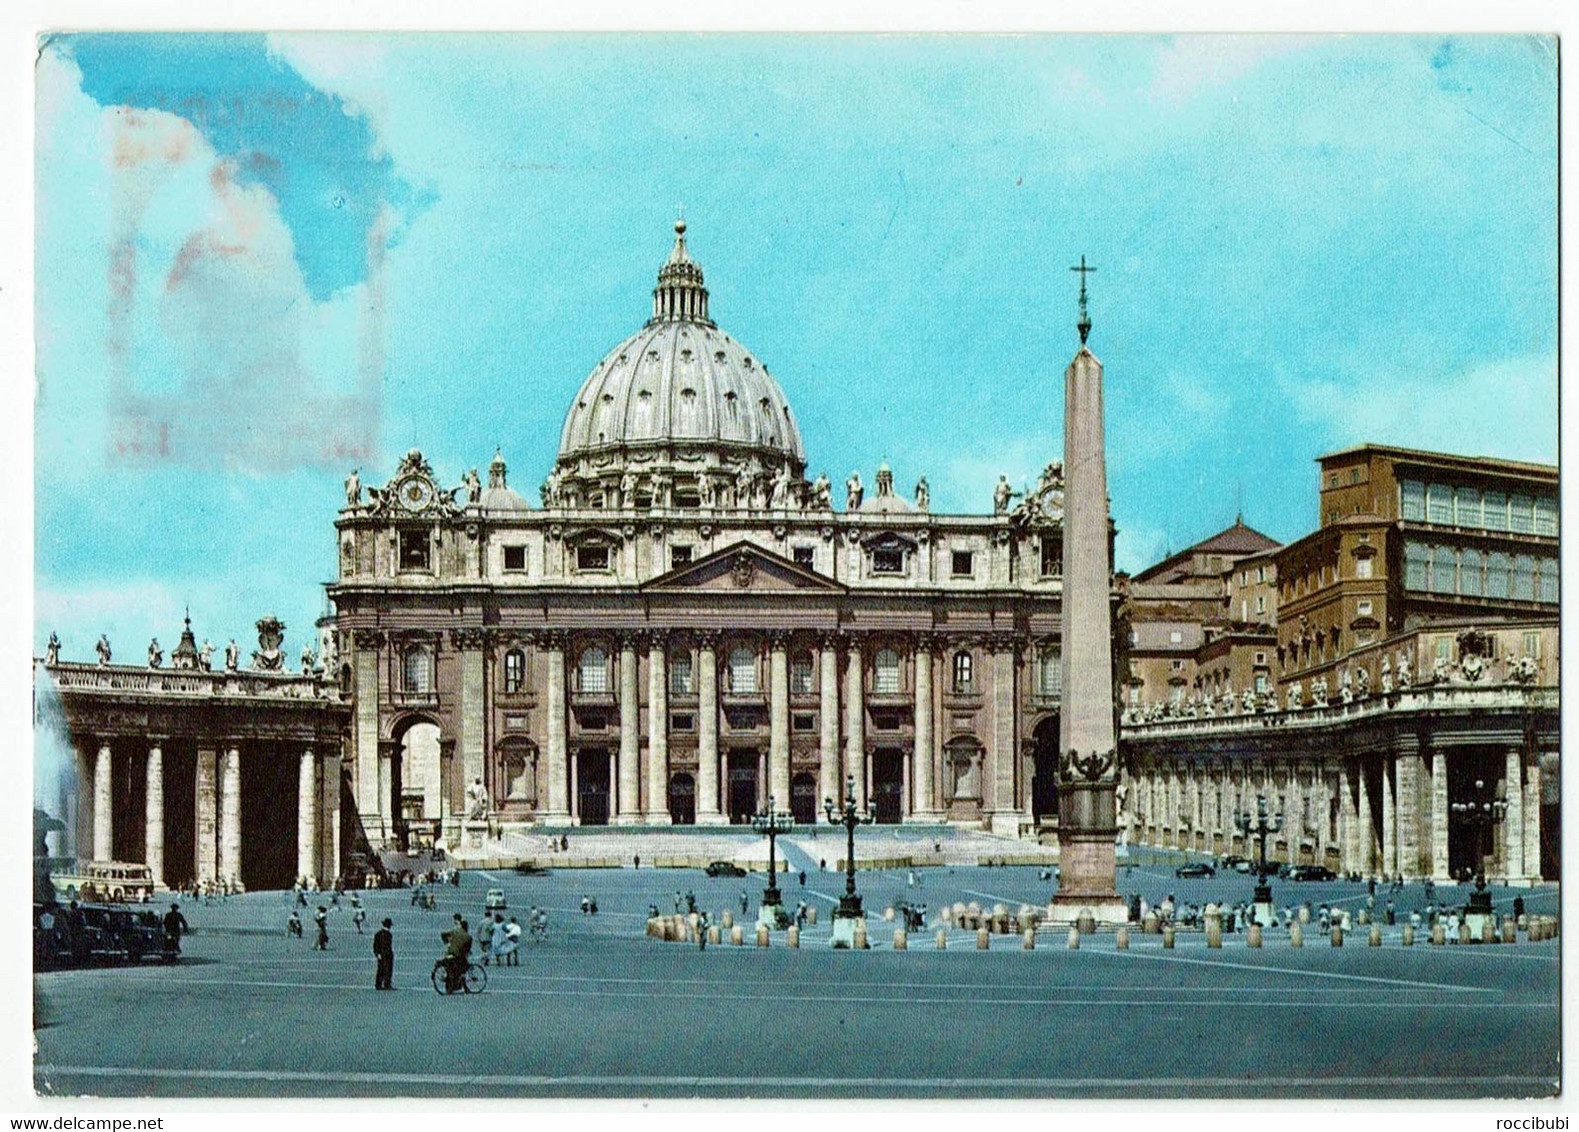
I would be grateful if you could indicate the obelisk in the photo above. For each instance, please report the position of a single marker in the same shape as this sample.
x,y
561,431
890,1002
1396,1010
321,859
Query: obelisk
x,y
1088,750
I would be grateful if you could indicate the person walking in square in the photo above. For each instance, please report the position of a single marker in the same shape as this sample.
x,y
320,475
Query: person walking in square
x,y
321,918
512,943
359,917
384,952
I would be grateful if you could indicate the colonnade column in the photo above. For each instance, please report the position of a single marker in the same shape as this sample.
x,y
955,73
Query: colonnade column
x,y
629,780
1513,821
1005,735
307,816
329,815
778,720
1532,817
230,815
657,734
924,808
153,825
103,801
854,721
828,717
1439,813
1365,824
1389,816
558,769
206,817
707,810
1413,858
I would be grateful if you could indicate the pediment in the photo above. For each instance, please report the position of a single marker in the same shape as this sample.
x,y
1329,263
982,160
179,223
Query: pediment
x,y
744,568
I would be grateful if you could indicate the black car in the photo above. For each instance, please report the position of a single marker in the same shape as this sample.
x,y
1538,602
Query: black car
x,y
1195,869
724,869
1311,872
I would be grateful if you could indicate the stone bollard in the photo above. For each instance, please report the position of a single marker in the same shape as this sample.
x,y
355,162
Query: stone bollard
x,y
654,928
1364,917
888,914
670,932
1152,924
737,936
1510,933
1376,935
959,919
1030,939
1000,922
729,920
1438,934
1167,937
901,940
1121,939
983,940
1463,933
714,935
1337,936
1086,922
942,939
1408,939
858,939
1253,936
693,919
792,937
1074,939
1296,934
1523,922
1488,932
1304,913
811,915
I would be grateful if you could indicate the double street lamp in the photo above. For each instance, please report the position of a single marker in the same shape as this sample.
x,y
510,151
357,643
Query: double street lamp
x,y
772,822
1258,825
849,816
1481,814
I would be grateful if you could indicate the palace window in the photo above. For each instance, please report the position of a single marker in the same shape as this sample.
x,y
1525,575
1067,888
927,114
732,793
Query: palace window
x,y
1050,675
1442,571
1416,556
1363,609
1052,556
1524,578
592,557
1466,508
963,563
1495,509
1412,501
680,683
803,555
594,671
885,678
416,669
1548,589
1546,516
743,672
679,556
1496,574
1439,503
515,558
415,550
1469,571
963,678
888,560
1521,514
514,670
1261,683
1532,645
800,675
1362,568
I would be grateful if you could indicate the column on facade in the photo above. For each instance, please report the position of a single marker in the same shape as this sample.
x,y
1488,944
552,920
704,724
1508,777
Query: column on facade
x,y
628,778
1005,736
778,720
707,767
230,815
1295,801
1365,815
1513,819
1389,815
855,721
558,770
1532,816
103,800
365,698
1439,815
473,731
1345,824
329,817
657,733
1175,805
153,823
828,718
307,815
388,804
1410,783
206,816
925,806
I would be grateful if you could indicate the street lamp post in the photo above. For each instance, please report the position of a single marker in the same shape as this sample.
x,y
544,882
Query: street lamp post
x,y
1481,813
1258,825
849,816
772,822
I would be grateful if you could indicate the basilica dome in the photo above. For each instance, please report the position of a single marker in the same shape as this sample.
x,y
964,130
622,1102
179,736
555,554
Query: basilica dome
x,y
679,395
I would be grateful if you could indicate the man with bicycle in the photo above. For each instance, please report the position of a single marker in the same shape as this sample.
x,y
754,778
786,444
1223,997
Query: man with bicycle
x,y
457,954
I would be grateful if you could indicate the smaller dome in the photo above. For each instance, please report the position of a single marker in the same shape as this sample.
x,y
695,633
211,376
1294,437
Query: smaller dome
x,y
502,499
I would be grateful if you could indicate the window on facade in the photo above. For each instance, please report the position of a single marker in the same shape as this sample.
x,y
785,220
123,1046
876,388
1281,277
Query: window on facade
x,y
1176,665
515,558
1466,508
415,549
1363,609
1521,514
1416,555
963,677
964,562
1444,649
888,560
1262,683
1548,586
800,675
743,672
1469,573
1362,567
1260,658
1412,501
1052,556
679,556
592,558
1050,675
683,721
803,556
594,671
1496,574
1532,645
1438,503
1494,506
1524,578
680,682
803,721
417,669
514,670
1260,604
885,672
1546,516
1176,637
1442,579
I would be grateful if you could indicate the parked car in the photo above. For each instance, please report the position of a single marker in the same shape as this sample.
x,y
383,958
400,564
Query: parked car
x,y
1195,869
1311,872
724,869
494,901
1235,863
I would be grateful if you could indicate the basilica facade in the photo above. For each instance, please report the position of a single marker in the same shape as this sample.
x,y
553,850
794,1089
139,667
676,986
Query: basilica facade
x,y
683,624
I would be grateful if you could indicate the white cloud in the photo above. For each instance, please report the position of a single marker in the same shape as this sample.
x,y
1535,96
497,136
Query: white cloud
x,y
1191,64
110,607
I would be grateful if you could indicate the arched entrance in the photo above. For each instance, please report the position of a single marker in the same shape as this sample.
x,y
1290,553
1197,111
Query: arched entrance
x,y
269,785
803,798
888,785
1471,848
682,799
592,786
1044,770
742,787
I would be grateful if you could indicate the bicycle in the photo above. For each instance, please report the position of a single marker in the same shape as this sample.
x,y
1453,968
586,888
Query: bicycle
x,y
474,981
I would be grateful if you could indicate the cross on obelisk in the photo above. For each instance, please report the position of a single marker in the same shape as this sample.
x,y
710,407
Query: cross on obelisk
x,y
1084,325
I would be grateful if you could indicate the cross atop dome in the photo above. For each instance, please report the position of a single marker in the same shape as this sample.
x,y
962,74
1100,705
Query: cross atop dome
x,y
680,295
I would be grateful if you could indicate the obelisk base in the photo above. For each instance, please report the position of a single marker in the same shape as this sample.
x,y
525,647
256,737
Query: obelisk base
x,y
1085,883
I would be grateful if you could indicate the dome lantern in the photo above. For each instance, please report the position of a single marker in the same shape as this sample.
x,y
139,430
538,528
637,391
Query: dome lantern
x,y
680,295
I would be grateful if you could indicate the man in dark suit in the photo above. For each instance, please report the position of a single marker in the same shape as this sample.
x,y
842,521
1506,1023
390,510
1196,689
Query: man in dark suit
x,y
384,950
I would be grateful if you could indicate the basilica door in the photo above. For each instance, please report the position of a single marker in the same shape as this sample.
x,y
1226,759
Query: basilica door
x,y
682,799
742,786
592,776
1044,771
888,785
803,799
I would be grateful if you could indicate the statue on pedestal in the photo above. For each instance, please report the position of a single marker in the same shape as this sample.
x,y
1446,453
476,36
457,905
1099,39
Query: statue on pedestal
x,y
307,660
822,493
1318,691
744,479
155,654
1387,674
853,492
205,657
52,651
704,490
353,488
923,495
781,488
1001,494
1362,683
477,801
1404,675
473,484
628,491
1346,688
232,656
103,649
1296,696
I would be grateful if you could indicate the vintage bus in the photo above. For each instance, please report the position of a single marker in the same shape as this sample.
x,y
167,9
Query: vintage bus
x,y
126,881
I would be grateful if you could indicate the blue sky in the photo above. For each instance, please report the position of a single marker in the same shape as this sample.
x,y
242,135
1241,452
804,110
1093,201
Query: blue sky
x,y
263,260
